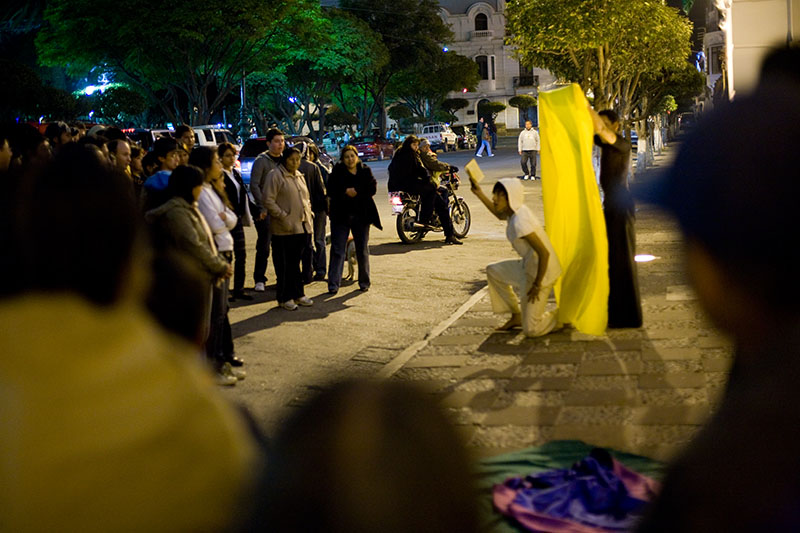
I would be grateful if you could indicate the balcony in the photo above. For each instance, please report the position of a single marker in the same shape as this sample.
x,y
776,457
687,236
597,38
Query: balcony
x,y
525,81
481,34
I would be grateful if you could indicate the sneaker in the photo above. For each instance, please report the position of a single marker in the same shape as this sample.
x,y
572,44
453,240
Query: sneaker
x,y
491,155
228,370
305,301
260,287
478,155
452,239
332,290
289,306
319,277
525,177
224,380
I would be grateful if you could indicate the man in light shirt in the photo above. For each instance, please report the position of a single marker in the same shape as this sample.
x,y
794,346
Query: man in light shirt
x,y
528,147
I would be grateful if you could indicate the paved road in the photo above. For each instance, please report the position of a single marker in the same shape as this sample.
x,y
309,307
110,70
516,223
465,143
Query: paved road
x,y
414,287
644,391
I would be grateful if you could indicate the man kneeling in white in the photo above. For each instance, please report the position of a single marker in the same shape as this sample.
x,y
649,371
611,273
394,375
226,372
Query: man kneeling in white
x,y
529,279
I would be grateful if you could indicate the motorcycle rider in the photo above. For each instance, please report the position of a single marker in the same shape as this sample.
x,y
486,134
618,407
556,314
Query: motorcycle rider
x,y
440,202
407,173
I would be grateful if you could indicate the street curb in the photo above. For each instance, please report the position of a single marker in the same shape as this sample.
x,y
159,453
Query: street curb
x,y
397,363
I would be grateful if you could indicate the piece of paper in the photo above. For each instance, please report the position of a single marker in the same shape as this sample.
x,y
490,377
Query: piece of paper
x,y
474,171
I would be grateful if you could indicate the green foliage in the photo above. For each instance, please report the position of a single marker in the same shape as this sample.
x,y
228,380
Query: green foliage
x,y
399,111
58,104
337,117
604,45
452,105
490,108
186,56
523,101
411,31
424,86
20,91
666,105
117,102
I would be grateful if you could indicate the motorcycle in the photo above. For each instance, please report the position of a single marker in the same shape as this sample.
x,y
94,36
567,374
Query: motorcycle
x,y
407,206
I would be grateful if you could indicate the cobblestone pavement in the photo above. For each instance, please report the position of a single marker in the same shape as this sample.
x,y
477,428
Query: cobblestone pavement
x,y
643,391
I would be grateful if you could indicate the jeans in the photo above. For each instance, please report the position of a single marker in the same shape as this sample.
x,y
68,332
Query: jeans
x,y
239,256
339,233
320,259
314,252
484,144
219,346
528,155
286,252
262,250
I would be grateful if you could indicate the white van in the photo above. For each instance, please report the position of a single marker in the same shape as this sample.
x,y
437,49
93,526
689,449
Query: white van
x,y
440,136
214,136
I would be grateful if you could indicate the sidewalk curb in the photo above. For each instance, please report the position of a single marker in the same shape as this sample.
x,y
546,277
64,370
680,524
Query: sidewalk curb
x,y
397,363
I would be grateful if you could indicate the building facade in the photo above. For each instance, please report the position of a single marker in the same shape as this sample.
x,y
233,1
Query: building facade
x,y
479,30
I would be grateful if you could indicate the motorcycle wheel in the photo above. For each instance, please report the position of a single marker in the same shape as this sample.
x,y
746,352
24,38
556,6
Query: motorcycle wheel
x,y
404,226
459,214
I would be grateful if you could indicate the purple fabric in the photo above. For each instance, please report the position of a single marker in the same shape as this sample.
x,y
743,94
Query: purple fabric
x,y
598,494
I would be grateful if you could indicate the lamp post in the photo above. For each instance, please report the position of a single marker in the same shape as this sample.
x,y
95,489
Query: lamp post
x,y
244,125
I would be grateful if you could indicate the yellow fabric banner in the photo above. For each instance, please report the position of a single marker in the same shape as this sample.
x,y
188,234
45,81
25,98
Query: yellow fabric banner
x,y
573,212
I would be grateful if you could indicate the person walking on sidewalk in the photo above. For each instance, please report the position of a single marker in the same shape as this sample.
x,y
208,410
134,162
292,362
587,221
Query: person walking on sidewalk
x,y
624,304
528,148
521,286
486,139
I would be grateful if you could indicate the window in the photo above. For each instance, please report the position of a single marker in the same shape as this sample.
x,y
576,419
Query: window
x,y
483,67
481,22
492,72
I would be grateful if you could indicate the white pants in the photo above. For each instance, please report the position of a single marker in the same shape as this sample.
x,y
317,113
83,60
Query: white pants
x,y
508,286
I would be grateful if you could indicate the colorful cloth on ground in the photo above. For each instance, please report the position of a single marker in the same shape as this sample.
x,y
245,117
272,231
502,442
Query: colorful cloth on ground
x,y
598,494
572,210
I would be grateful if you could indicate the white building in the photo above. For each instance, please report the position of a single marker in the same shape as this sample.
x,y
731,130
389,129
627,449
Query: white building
x,y
751,29
479,29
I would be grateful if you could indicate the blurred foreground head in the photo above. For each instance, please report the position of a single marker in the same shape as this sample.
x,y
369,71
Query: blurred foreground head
x,y
365,457
72,227
734,188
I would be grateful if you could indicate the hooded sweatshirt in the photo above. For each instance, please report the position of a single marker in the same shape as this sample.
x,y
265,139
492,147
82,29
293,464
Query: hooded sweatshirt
x,y
523,222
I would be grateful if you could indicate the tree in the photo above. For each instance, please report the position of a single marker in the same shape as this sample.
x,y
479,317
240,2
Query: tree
x,y
185,56
344,48
423,87
523,102
20,92
604,45
486,109
119,103
409,29
451,105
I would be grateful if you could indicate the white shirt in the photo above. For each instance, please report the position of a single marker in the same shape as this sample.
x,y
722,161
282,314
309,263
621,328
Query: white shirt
x,y
210,205
523,222
528,140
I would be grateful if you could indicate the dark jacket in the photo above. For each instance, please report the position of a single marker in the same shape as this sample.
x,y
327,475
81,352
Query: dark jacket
x,y
362,206
177,225
315,185
406,172
239,198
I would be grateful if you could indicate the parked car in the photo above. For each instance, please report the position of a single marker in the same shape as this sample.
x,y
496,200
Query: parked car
x,y
214,136
440,136
465,137
372,147
257,145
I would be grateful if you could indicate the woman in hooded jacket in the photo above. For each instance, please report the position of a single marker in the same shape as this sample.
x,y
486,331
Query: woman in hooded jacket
x,y
521,286
351,187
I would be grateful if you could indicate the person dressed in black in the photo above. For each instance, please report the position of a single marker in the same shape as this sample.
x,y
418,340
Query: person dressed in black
x,y
311,269
351,187
408,174
624,304
240,201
